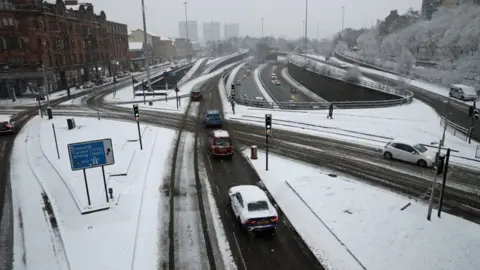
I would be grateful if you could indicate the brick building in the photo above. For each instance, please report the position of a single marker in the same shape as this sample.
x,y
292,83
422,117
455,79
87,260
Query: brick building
x,y
73,44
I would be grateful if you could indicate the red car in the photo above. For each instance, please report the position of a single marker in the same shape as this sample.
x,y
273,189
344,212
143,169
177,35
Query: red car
x,y
196,95
7,127
220,144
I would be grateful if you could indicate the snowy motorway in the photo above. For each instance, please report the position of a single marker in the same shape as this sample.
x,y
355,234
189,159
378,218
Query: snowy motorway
x,y
194,189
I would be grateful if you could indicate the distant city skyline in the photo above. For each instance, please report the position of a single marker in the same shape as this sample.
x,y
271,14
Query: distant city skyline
x,y
232,30
192,30
211,31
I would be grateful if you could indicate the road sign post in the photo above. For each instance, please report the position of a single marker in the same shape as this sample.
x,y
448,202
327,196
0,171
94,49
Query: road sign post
x,y
91,154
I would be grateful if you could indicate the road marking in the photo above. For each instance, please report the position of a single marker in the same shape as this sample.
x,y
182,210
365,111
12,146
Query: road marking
x,y
239,251
218,190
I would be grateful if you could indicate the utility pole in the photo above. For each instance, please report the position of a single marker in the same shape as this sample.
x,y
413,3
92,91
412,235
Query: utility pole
x,y
146,51
262,27
437,158
225,30
186,27
306,26
343,17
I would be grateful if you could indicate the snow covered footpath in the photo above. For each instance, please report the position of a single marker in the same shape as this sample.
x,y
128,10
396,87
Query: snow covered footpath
x,y
215,63
415,122
351,225
51,233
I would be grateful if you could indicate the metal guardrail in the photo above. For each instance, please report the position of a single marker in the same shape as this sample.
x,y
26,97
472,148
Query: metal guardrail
x,y
313,105
457,130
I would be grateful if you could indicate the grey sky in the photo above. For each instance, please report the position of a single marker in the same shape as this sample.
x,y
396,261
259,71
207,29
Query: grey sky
x,y
281,17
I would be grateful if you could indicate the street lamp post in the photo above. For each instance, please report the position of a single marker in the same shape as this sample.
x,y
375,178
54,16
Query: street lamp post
x,y
343,17
306,26
46,89
146,50
186,27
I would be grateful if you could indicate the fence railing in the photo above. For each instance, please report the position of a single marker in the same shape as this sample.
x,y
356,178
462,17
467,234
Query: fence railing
x,y
455,129
311,105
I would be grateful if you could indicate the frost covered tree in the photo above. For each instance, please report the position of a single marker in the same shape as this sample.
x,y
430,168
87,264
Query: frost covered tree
x,y
353,74
405,62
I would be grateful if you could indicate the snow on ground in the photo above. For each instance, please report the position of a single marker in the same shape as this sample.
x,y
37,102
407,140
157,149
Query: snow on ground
x,y
109,238
191,71
215,63
415,122
159,103
348,224
438,89
259,85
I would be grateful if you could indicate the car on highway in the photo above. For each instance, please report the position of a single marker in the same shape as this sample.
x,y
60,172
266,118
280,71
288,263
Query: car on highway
x,y
196,95
343,65
277,82
220,144
238,82
88,85
212,118
463,92
252,209
7,127
409,152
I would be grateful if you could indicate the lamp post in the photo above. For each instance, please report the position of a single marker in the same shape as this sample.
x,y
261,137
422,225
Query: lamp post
x,y
46,89
306,26
186,27
437,158
343,17
146,50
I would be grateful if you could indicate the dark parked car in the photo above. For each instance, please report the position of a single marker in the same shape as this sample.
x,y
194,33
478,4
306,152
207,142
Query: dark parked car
x,y
7,127
196,95
212,118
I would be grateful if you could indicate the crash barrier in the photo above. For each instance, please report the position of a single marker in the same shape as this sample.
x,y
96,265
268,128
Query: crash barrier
x,y
405,96
457,130
231,59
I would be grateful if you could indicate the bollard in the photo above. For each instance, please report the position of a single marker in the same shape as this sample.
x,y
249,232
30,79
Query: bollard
x,y
150,103
253,152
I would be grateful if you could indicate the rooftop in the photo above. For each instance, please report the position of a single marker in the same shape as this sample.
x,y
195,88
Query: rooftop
x,y
221,133
251,193
135,46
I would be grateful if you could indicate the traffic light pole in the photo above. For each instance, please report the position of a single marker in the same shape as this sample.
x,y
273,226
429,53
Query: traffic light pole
x,y
266,151
445,171
136,115
139,135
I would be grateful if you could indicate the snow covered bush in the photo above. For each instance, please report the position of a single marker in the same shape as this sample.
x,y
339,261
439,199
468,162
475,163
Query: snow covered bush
x,y
325,70
451,40
353,74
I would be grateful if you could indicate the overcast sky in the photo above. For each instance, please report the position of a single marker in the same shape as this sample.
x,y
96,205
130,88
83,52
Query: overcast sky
x,y
281,17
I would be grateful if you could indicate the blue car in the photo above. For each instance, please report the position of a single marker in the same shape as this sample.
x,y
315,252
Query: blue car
x,y
212,118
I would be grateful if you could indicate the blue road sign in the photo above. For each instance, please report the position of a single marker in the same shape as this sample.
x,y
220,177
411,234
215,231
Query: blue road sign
x,y
171,73
91,154
165,74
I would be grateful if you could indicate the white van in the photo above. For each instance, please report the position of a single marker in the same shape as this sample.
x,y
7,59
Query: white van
x,y
463,92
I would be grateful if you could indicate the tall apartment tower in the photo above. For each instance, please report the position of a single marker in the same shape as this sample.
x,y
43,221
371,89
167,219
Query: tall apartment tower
x,y
192,30
211,31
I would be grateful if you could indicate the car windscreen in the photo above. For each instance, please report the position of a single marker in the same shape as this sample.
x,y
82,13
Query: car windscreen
x,y
257,206
4,124
420,148
222,142
213,116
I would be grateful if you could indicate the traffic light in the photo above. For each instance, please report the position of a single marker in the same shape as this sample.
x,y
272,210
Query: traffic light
x,y
268,123
470,111
136,113
476,114
233,86
145,87
440,164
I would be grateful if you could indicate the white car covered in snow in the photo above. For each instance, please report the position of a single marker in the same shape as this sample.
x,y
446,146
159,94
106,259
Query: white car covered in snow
x,y
410,152
252,208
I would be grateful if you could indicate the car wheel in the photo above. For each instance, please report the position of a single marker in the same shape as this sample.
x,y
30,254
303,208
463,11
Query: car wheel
x,y
387,155
422,163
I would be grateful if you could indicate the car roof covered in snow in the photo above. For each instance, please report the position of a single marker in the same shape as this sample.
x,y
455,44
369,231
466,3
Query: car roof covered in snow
x,y
250,193
220,133
467,89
